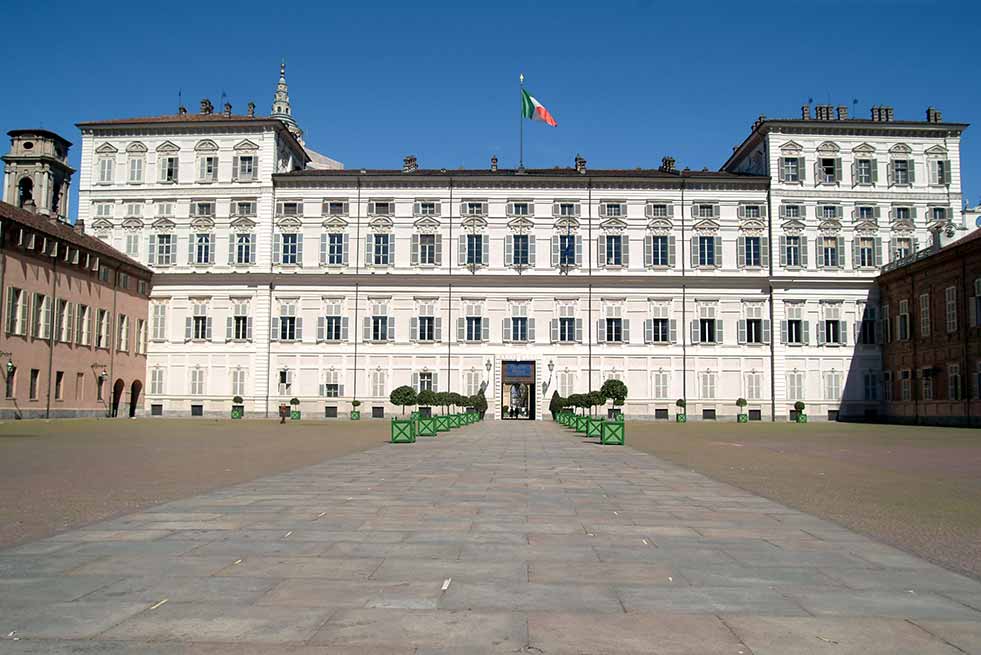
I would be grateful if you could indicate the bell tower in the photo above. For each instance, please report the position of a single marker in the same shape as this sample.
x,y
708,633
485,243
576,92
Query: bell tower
x,y
281,105
37,176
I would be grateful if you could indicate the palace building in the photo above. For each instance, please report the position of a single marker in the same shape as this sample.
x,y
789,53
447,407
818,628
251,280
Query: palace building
x,y
278,273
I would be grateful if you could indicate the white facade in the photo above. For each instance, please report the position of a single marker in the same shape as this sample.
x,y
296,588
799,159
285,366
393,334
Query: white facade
x,y
330,285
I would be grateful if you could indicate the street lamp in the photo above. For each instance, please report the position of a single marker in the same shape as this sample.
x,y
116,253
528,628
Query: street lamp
x,y
104,375
10,367
551,366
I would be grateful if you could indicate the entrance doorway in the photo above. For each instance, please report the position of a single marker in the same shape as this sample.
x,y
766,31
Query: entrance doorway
x,y
518,390
134,397
117,396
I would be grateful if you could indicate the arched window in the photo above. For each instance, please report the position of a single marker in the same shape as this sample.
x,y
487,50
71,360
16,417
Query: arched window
x,y
25,192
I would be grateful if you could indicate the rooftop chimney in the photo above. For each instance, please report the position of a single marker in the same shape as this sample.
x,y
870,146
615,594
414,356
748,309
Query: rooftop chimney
x,y
842,112
206,107
805,112
759,121
667,164
79,226
409,164
933,115
580,165
228,110
494,163
251,111
889,116
182,110
823,112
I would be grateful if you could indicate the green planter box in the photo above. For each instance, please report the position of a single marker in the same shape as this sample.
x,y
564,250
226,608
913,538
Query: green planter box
x,y
426,427
619,418
355,415
238,411
453,420
413,415
681,418
613,434
442,423
403,431
594,427
294,415
802,418
582,422
742,418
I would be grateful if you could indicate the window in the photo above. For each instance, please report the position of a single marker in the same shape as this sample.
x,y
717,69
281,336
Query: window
x,y
238,381
239,325
926,384
902,213
59,385
659,328
705,211
829,170
244,249
754,329
751,211
158,316
290,249
867,335
887,386
474,328
520,209
657,210
791,169
662,384
954,382
519,250
104,273
830,212
197,381
168,168
64,321
83,325
940,172
332,387
79,386
122,333
244,168
427,381
426,208
335,249
41,323
140,337
567,328
938,214
208,168
243,208
10,383
865,172
752,249
289,208
706,383
519,329
35,379
829,255
106,166
950,307
831,330
378,386
203,252
17,309
427,250
795,332
903,248
381,207
335,208
706,330
568,250
614,330
707,255
614,250
198,325
754,384
475,250
661,251
380,326
568,209
290,325
866,213
832,385
381,252
100,386
612,209
867,252
795,385
902,321
135,170
162,249
142,287
793,251
886,325
924,315
902,172
133,244
285,379
791,211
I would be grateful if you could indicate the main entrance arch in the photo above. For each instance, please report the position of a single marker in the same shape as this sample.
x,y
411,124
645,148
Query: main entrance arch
x,y
518,390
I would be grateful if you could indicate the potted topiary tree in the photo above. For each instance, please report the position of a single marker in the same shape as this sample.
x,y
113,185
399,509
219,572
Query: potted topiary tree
x,y
555,404
596,399
294,409
799,408
404,396
742,416
355,412
616,391
426,399
681,416
238,408
480,404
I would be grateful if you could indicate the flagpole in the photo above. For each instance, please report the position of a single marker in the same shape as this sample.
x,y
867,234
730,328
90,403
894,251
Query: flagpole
x,y
521,123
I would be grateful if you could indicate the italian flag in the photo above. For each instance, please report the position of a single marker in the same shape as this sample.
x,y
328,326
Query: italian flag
x,y
534,110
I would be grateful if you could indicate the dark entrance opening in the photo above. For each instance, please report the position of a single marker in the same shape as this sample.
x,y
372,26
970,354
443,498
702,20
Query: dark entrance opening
x,y
117,395
134,397
518,390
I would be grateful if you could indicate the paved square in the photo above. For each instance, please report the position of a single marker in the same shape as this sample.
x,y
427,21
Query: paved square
x,y
495,538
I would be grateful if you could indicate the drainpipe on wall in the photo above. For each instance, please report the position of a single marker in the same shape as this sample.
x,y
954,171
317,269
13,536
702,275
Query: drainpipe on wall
x,y
112,349
684,303
773,324
54,304
357,290
589,275
450,329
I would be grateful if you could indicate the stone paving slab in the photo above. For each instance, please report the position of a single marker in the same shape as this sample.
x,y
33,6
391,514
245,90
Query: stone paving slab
x,y
495,538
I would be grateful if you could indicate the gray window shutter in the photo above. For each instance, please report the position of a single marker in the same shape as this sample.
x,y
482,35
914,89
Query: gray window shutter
x,y
321,329
718,252
783,252
366,328
821,336
461,329
648,330
299,329
874,167
555,251
299,250
505,330
369,243
462,250
741,331
485,329
841,252
531,330
716,210
600,331
391,328
435,381
625,248
485,250
600,251
191,238
277,249
805,327
838,169
248,328
801,169
912,171
229,328
578,251
212,246
695,335
391,249
531,250
437,329
878,251
579,330
344,328
765,252
323,249
673,330
151,250
274,329
207,329
694,252
252,249
856,256
740,211
414,250
648,250
740,252
415,381
783,331
509,250
231,249
626,330
803,252
188,328
553,326
718,330
843,332
766,331
414,329
671,250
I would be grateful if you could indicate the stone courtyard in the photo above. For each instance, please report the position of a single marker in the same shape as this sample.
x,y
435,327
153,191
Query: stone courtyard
x,y
492,539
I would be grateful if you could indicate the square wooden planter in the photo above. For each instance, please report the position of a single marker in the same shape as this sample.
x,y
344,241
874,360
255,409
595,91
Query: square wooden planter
x,y
582,423
742,418
802,418
426,427
442,423
594,427
355,415
681,418
294,415
238,411
612,434
403,431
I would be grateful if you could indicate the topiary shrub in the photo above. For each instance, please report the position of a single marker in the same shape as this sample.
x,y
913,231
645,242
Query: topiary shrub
x,y
238,400
681,403
741,402
480,403
555,404
799,405
404,396
294,401
615,390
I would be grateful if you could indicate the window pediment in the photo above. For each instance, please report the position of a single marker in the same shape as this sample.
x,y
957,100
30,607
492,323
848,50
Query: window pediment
x,y
381,223
426,225
903,225
660,226
613,225
938,151
206,145
828,147
202,223
752,225
335,223
243,224
163,224
864,149
706,226
102,225
474,223
136,147
246,145
521,225
168,146
567,224
830,226
793,227
868,227
289,224
132,224
791,148
900,149
106,149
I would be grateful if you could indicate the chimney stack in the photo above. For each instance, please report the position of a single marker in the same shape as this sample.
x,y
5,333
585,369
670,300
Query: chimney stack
x,y
667,164
409,164
182,111
805,112
493,163
889,116
228,110
933,115
758,122
251,111
79,226
842,112
580,165
206,107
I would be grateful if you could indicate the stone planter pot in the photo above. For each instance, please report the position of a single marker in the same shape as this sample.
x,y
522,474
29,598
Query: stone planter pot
x,y
355,415
238,411
681,418
403,431
594,427
426,426
742,418
613,433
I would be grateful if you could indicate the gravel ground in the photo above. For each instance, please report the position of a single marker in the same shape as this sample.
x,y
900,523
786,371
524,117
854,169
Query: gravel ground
x,y
916,488
57,475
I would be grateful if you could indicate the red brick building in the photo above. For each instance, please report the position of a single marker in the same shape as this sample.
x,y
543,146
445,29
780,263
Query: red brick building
x,y
931,353
73,340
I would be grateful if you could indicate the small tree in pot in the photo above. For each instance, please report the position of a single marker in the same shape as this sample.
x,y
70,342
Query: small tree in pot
x,y
617,392
741,416
555,404
480,404
799,407
426,400
681,416
238,408
294,409
404,396
596,399
355,412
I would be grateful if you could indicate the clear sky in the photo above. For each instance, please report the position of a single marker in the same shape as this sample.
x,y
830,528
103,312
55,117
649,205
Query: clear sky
x,y
628,82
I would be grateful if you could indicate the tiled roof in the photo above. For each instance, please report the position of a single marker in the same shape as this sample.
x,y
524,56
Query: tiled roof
x,y
66,233
528,172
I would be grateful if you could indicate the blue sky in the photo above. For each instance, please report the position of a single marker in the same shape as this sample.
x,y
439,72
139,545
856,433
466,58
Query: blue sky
x,y
628,82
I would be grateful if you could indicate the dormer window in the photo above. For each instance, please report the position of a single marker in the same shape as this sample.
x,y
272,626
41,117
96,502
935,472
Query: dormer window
x,y
335,208
520,209
381,207
289,208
